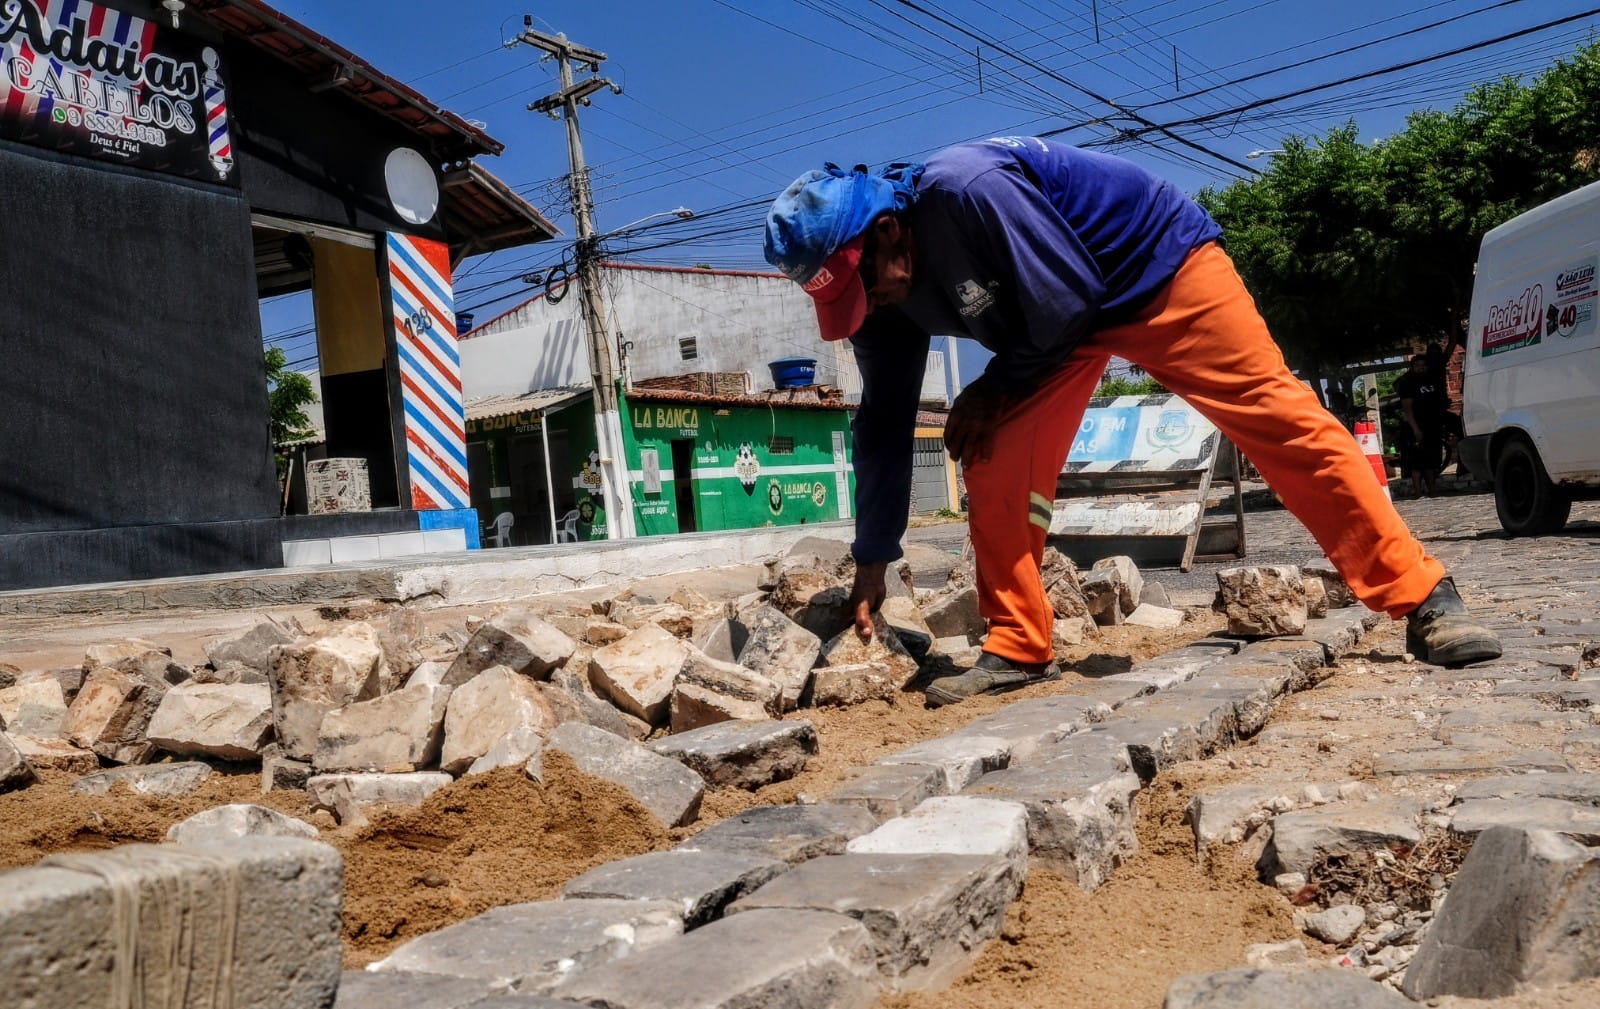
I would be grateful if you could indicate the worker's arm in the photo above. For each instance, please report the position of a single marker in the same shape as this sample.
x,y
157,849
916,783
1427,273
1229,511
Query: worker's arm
x,y
891,353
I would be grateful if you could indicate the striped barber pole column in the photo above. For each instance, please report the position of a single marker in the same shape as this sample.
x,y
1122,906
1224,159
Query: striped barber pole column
x,y
430,372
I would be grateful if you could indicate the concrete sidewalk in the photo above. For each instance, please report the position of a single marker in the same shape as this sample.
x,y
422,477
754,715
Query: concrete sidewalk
x,y
476,576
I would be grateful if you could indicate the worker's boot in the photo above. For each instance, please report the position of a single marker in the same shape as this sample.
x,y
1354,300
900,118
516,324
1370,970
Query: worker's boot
x,y
989,675
1443,633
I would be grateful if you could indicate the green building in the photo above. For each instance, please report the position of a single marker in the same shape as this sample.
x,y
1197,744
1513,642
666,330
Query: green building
x,y
698,460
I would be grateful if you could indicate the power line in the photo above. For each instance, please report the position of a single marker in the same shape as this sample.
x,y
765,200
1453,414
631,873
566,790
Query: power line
x,y
1146,123
1336,53
1367,75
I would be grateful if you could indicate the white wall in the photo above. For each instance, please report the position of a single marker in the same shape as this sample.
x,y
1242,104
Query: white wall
x,y
740,323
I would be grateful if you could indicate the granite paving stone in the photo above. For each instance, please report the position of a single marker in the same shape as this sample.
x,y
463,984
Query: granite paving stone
x,y
1081,805
778,959
963,758
789,834
409,789
1467,759
952,825
1580,788
1300,838
362,989
668,789
281,947
1570,819
743,754
163,780
700,883
783,651
1178,665
890,790
1249,988
1029,725
1522,913
928,914
535,947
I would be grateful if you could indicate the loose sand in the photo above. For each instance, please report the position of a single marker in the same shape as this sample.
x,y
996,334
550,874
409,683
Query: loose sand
x,y
1160,916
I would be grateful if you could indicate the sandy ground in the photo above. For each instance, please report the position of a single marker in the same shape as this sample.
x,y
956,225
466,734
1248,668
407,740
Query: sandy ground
x,y
1162,915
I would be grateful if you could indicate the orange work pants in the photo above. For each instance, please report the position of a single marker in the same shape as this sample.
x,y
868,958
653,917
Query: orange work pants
x,y
1202,339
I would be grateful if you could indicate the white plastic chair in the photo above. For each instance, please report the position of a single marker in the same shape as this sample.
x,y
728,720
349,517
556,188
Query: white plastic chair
x,y
501,534
568,531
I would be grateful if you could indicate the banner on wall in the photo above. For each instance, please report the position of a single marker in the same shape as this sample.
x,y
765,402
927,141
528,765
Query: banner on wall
x,y
430,372
81,78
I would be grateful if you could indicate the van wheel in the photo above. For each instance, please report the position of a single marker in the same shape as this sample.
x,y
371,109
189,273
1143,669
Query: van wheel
x,y
1527,502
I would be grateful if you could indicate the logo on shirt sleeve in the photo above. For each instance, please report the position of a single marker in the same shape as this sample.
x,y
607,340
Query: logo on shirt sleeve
x,y
975,299
1020,142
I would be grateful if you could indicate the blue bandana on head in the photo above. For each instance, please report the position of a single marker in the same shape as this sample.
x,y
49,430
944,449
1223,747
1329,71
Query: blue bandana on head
x,y
824,209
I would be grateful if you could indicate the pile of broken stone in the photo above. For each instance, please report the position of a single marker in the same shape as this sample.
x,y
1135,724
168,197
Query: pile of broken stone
x,y
377,711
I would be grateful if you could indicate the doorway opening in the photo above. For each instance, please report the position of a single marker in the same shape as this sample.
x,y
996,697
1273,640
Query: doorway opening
x,y
322,304
683,485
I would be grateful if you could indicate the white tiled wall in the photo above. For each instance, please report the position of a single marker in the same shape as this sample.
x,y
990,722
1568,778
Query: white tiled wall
x,y
349,549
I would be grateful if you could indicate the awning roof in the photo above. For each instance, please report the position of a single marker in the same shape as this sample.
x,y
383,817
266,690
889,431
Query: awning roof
x,y
482,214
324,61
479,212
538,401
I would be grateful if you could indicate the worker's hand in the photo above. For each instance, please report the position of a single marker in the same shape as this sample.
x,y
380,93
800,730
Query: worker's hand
x,y
1416,429
866,596
969,431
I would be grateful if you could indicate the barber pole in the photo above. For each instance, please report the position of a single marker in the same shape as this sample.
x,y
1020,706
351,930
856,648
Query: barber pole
x,y
430,372
216,100
1367,438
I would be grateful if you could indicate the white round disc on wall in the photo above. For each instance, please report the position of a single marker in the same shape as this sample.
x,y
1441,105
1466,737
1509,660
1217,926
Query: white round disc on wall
x,y
413,188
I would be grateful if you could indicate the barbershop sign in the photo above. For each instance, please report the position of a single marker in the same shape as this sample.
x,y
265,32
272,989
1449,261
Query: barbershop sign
x,y
88,80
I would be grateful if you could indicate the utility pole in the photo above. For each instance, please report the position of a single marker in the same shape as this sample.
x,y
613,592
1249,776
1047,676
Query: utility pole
x,y
616,492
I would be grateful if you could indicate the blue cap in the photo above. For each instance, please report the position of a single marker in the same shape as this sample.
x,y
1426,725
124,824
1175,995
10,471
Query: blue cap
x,y
823,210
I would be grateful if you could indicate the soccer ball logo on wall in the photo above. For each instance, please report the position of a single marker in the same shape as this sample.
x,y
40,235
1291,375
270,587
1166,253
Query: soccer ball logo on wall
x,y
590,475
747,467
775,496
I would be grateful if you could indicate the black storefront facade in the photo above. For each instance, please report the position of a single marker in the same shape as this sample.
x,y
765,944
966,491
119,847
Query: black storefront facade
x,y
155,183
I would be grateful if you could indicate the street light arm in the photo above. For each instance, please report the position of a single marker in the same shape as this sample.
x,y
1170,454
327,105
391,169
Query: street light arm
x,y
681,213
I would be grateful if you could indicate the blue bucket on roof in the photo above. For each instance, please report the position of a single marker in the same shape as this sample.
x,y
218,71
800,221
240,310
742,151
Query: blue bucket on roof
x,y
464,322
793,372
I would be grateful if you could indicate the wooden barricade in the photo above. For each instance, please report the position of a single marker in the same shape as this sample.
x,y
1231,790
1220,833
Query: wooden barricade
x,y
1137,480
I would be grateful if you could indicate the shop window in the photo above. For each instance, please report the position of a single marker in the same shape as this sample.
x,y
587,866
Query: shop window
x,y
780,444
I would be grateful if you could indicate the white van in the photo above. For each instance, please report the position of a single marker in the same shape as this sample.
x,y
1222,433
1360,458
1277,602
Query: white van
x,y
1531,381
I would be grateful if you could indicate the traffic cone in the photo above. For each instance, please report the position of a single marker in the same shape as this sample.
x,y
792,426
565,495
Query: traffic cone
x,y
1367,438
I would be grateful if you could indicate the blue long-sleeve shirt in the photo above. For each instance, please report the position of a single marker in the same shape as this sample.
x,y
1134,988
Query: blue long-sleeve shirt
x,y
1026,246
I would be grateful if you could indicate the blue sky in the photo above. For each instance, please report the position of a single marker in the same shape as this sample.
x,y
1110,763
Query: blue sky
x,y
725,102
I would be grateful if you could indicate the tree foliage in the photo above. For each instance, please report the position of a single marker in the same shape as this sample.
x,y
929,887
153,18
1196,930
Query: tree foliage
x,y
288,394
1128,385
1356,250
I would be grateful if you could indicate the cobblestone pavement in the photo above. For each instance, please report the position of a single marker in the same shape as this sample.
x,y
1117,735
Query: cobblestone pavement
x,y
1350,777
